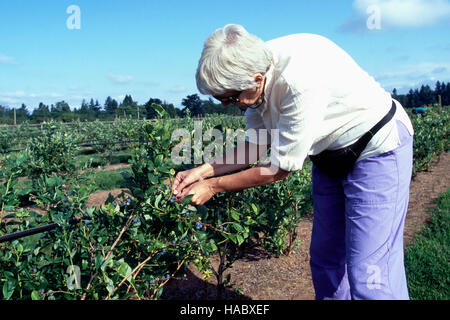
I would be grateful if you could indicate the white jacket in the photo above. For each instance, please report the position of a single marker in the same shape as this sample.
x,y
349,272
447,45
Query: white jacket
x,y
318,98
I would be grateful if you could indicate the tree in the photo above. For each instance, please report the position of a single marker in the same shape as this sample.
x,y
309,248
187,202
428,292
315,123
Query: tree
x,y
22,114
94,108
150,111
128,107
446,94
426,96
110,106
194,104
171,110
41,114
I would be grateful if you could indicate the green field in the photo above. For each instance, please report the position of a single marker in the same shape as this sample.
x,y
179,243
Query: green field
x,y
427,259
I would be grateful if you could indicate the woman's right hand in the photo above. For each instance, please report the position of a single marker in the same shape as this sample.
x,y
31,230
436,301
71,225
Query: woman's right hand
x,y
184,179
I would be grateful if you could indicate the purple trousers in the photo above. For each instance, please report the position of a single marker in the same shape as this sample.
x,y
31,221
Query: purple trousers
x,y
357,237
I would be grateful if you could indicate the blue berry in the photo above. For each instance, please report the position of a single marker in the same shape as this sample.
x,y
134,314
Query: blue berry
x,y
87,222
41,291
198,225
114,203
34,270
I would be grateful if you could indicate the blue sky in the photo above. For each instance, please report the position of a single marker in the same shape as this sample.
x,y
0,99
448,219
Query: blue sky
x,y
150,48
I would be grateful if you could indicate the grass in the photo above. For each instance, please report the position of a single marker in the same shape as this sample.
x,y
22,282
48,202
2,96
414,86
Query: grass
x,y
105,180
427,258
101,160
112,179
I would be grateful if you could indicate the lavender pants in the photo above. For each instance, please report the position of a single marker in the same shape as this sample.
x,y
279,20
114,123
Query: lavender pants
x,y
357,237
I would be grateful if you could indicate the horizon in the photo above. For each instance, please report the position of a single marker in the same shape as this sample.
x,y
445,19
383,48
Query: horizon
x,y
75,50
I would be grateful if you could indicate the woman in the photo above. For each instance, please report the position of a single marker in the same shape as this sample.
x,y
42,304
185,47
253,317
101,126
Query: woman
x,y
316,102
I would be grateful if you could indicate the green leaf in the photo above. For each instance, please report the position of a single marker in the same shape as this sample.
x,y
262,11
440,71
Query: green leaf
x,y
240,239
109,285
159,159
163,169
212,245
8,290
158,199
125,270
235,215
152,178
238,227
187,199
255,208
35,295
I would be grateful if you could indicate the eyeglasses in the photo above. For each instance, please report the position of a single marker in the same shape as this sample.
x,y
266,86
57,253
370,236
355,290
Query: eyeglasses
x,y
231,99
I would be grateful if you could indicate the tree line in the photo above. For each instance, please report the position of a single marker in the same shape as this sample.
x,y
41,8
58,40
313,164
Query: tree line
x,y
424,96
111,109
128,108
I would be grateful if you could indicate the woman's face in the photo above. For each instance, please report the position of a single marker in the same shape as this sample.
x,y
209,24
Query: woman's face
x,y
244,99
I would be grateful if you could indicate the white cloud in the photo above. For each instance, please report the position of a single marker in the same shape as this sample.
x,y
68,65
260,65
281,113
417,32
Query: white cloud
x,y
177,89
120,79
397,14
16,98
7,60
412,75
15,94
407,13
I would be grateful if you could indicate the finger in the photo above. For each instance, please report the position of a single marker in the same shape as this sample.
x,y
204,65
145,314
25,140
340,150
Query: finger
x,y
187,191
190,179
178,178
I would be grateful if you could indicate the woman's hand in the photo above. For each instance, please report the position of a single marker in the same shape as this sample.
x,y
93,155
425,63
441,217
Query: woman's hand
x,y
202,191
184,179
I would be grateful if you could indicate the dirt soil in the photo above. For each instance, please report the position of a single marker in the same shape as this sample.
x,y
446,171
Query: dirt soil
x,y
261,276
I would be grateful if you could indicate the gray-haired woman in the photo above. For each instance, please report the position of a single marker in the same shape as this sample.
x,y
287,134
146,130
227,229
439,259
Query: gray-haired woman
x,y
317,103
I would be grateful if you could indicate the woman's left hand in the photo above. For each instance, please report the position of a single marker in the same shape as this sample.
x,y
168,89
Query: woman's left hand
x,y
202,191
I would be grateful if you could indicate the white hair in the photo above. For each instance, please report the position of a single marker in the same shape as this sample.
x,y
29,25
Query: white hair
x,y
230,58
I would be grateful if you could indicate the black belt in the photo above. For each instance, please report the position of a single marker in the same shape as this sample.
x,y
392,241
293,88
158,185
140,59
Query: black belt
x,y
339,163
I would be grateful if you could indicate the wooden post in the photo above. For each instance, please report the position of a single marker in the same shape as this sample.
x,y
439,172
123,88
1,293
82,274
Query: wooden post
x,y
440,100
15,123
